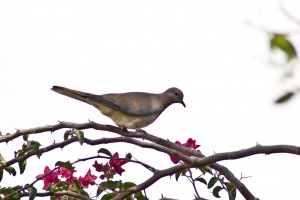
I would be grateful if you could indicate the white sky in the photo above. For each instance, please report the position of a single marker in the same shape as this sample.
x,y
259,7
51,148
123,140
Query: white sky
x,y
202,47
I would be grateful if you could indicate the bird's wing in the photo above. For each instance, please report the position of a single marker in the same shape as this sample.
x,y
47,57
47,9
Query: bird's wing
x,y
134,103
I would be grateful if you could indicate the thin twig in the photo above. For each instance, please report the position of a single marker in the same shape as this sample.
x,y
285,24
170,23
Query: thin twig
x,y
193,183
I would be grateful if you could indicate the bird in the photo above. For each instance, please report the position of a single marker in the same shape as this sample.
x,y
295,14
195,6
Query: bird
x,y
132,110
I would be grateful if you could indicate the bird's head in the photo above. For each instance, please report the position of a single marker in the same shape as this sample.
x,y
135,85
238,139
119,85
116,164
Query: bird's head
x,y
174,95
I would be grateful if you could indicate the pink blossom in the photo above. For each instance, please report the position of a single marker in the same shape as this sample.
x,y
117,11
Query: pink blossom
x,y
88,179
49,179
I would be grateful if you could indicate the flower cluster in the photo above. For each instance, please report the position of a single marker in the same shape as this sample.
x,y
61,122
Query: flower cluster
x,y
110,168
190,144
50,177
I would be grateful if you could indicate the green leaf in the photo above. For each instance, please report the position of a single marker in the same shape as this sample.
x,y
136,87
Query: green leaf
x,y
32,192
53,197
129,198
6,191
24,146
66,165
233,193
9,190
60,184
2,160
177,175
128,156
279,41
16,196
119,184
77,184
127,185
67,134
231,189
139,196
202,180
229,186
205,169
33,145
108,196
25,137
285,97
22,166
212,182
79,135
111,184
216,191
100,190
17,187
84,193
21,152
1,175
11,170
105,151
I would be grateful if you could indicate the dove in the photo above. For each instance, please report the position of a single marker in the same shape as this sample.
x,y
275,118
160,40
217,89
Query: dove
x,y
132,110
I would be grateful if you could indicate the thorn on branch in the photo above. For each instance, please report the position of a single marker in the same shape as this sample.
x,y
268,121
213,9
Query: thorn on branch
x,y
242,177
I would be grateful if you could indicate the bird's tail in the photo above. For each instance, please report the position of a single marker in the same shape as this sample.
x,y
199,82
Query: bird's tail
x,y
81,96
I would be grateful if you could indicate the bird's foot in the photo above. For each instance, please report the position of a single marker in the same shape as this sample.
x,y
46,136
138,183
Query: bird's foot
x,y
139,130
123,128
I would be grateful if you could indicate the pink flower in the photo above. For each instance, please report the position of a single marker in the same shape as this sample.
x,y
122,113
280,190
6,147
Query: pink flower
x,y
97,166
102,176
174,160
67,174
190,144
49,179
116,164
88,179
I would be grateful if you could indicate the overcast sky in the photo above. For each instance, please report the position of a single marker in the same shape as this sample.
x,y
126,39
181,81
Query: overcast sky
x,y
205,48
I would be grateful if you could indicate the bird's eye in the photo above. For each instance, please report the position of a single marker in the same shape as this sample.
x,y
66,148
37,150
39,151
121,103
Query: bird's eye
x,y
176,93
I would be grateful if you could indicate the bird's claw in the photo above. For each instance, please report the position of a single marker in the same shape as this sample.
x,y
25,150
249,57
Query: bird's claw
x,y
139,130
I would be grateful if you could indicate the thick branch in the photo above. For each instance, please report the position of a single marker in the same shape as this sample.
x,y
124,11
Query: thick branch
x,y
210,160
95,142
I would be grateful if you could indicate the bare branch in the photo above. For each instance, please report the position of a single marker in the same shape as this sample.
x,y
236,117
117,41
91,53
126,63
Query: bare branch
x,y
150,168
288,14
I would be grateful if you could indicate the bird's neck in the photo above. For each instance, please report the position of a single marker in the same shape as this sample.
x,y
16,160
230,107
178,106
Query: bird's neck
x,y
164,102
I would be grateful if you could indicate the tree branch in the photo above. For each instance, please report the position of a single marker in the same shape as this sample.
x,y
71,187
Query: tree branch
x,y
150,168
288,14
159,144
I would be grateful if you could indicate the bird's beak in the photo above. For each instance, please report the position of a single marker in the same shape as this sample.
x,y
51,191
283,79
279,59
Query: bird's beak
x,y
183,103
